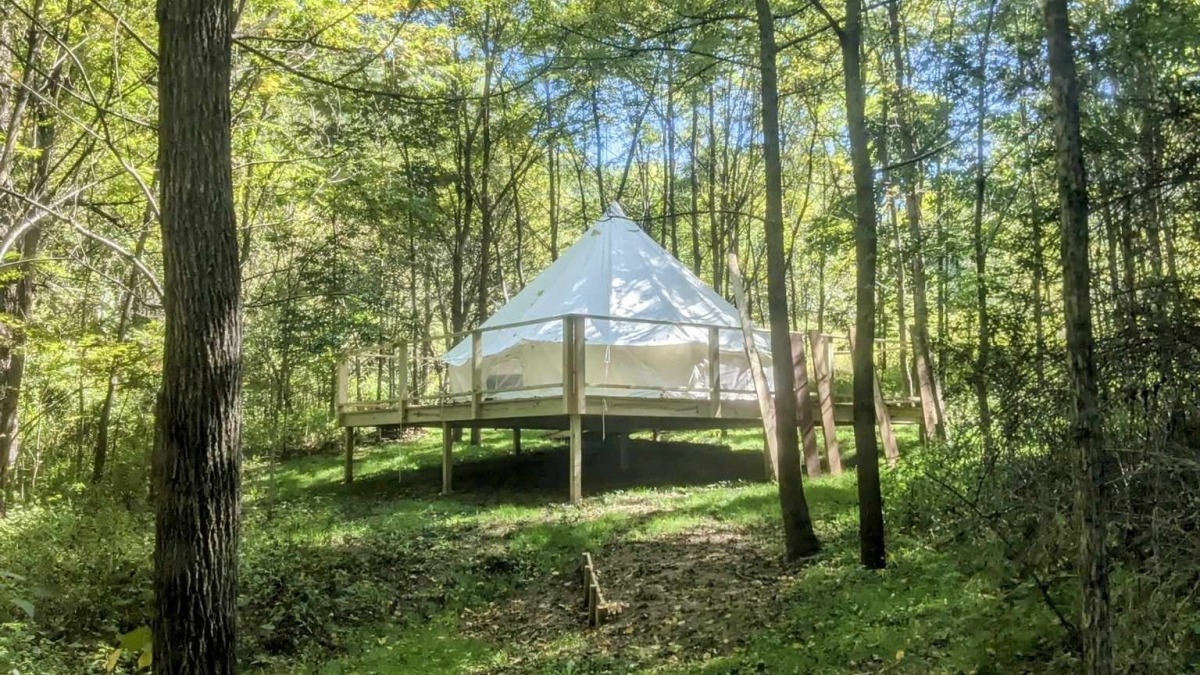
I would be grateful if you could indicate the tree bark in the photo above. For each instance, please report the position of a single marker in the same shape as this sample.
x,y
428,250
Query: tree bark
x,y
870,497
801,540
1092,463
197,459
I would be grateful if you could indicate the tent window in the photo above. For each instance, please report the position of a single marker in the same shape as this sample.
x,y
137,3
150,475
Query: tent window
x,y
509,381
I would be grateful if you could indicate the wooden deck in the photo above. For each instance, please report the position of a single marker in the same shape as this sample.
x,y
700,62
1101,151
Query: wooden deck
x,y
618,414
576,406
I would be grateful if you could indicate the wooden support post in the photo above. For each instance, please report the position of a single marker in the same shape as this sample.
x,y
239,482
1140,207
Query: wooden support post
x,y
819,345
623,450
476,374
579,374
402,386
804,415
891,451
447,457
766,406
349,469
568,365
516,440
576,461
714,371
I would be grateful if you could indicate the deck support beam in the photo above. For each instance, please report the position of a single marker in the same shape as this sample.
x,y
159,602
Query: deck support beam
x,y
516,440
576,463
447,457
348,476
623,450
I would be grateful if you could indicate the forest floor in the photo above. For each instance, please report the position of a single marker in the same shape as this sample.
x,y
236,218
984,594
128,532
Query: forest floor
x,y
385,576
687,541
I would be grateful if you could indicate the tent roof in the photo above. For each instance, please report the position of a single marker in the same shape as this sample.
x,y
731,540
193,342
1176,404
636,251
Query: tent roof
x,y
615,269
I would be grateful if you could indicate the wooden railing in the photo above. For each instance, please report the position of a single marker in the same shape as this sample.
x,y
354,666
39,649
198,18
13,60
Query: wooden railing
x,y
385,376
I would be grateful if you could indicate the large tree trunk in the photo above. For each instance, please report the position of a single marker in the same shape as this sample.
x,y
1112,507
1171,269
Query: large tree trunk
x,y
870,498
197,461
1092,463
797,523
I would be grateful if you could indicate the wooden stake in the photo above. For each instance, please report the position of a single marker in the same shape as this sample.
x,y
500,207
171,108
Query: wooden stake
x,y
516,441
766,407
447,457
804,416
818,344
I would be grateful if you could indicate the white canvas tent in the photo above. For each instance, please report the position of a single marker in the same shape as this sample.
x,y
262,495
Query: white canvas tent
x,y
615,271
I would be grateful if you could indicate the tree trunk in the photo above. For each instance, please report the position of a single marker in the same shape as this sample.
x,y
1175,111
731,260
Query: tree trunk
x,y
922,355
1092,463
870,498
983,353
197,461
797,523
100,453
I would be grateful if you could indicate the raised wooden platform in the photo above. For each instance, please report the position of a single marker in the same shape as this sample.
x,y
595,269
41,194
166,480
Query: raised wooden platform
x,y
574,405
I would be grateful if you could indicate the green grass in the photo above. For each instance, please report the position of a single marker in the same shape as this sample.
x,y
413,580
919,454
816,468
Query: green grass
x,y
940,607
387,576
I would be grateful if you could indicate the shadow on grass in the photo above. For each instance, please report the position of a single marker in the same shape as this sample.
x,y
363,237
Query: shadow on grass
x,y
540,476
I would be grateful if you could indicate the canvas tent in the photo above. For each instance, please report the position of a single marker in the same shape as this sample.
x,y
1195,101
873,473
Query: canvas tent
x,y
615,271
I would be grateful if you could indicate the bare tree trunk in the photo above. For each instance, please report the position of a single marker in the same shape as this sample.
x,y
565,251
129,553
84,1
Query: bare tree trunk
x,y
197,459
694,176
797,523
1092,462
100,453
984,346
922,355
870,497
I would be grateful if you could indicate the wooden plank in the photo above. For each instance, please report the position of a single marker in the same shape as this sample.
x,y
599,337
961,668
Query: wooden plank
x,y
819,346
714,372
576,462
348,476
476,373
891,450
516,440
804,415
766,406
447,457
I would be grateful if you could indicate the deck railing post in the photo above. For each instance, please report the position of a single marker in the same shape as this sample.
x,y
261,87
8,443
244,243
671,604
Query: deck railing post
x,y
822,370
400,363
568,364
476,374
342,394
714,371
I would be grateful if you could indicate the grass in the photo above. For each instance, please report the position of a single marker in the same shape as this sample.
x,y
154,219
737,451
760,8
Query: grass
x,y
386,576
940,607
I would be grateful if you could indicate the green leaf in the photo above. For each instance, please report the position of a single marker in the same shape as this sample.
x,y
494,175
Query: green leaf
x,y
24,606
137,640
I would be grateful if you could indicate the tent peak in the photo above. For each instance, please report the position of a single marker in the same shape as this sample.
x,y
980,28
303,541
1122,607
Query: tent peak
x,y
614,210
